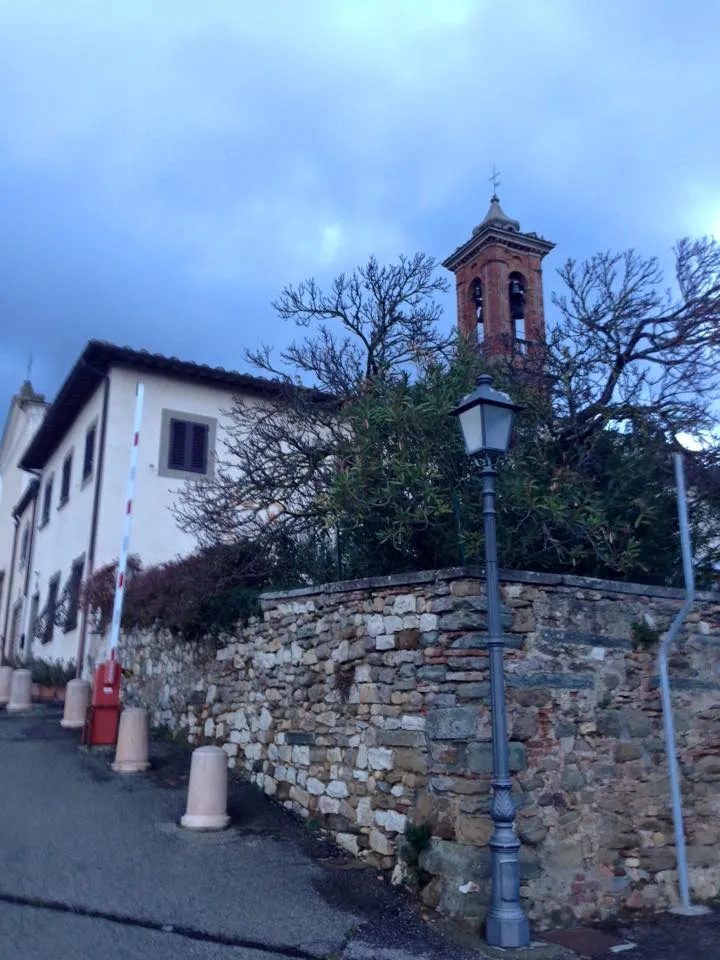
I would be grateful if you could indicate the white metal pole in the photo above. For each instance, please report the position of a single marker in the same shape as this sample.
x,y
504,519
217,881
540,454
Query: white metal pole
x,y
685,908
122,560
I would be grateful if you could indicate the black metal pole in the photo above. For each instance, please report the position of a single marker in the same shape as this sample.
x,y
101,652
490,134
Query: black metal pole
x,y
505,925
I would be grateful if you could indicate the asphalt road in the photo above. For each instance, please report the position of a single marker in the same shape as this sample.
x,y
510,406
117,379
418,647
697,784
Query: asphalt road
x,y
94,864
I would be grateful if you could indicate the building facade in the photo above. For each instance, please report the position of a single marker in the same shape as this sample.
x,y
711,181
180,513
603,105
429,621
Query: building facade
x,y
79,459
25,414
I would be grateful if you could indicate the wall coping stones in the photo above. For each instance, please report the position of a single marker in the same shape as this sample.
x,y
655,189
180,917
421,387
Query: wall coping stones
x,y
475,572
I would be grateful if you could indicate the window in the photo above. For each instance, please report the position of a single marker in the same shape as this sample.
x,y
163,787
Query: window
x,y
32,622
516,295
47,502
89,457
65,481
76,573
477,299
15,628
24,545
187,445
53,588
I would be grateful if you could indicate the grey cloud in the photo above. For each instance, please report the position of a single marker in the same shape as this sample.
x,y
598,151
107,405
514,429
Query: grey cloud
x,y
162,177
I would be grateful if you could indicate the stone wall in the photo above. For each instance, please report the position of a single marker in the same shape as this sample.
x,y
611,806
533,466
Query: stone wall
x,y
363,706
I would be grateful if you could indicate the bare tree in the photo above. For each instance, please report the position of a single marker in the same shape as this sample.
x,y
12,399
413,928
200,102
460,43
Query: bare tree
x,y
272,478
627,347
377,320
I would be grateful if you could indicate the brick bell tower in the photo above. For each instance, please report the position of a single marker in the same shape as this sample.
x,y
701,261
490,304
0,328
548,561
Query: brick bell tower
x,y
498,277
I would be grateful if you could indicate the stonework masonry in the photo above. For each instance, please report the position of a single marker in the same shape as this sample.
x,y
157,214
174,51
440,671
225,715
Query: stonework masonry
x,y
363,706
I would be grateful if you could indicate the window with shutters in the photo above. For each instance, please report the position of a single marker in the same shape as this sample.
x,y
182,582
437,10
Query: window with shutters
x,y
24,546
76,573
15,628
89,456
53,588
65,480
46,503
187,445
32,621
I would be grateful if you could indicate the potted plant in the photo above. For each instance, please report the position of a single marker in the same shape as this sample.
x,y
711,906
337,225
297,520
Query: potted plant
x,y
41,681
50,677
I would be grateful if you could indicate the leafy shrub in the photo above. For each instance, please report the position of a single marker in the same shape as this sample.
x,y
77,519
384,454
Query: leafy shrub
x,y
203,594
644,635
418,837
50,673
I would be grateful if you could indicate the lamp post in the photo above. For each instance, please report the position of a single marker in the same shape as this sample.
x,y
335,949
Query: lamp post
x,y
486,418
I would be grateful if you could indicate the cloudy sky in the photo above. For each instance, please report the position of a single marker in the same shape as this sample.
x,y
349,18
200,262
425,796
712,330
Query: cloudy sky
x,y
167,165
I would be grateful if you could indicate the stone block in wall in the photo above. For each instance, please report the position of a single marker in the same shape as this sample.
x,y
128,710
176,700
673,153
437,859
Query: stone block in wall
x,y
381,843
479,757
477,640
456,861
579,680
524,726
299,738
473,829
412,761
405,603
707,769
391,820
433,674
400,738
552,637
453,723
379,758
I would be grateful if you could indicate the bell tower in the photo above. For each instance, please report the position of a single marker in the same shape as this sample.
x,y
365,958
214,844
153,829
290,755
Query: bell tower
x,y
498,278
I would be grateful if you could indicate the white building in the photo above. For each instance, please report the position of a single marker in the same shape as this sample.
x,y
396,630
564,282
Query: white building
x,y
80,455
17,489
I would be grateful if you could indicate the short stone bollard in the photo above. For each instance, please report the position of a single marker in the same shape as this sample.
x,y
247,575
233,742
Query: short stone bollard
x,y
207,791
5,684
131,753
77,697
20,691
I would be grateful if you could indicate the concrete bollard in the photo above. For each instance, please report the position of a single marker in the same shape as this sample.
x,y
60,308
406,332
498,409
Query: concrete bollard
x,y
20,691
5,684
131,753
207,790
77,697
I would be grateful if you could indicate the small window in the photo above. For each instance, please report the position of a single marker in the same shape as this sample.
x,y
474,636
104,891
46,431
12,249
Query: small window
x,y
15,628
24,546
47,503
65,480
89,457
76,573
34,607
477,300
188,446
516,296
53,588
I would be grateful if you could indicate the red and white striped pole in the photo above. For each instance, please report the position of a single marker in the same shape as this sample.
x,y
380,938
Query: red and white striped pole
x,y
122,561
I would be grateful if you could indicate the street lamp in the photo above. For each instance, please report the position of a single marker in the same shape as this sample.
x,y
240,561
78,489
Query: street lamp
x,y
486,418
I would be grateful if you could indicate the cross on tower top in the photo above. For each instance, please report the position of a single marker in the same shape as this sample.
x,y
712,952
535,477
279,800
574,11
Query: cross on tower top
x,y
495,180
